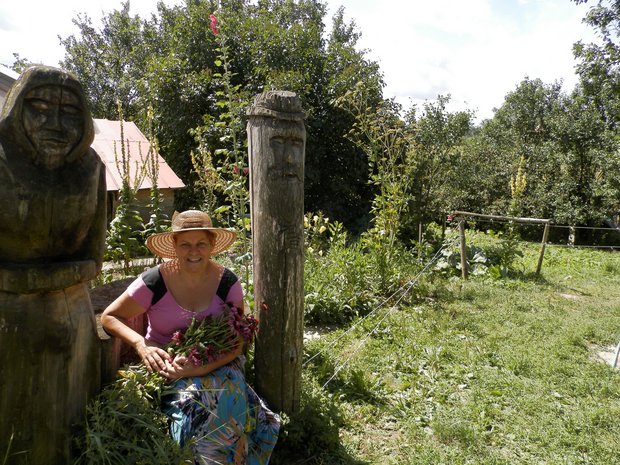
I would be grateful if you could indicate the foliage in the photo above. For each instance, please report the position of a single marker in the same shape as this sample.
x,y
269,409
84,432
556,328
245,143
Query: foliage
x,y
230,178
484,372
382,135
170,61
497,257
124,237
598,62
20,64
338,284
125,425
558,141
312,432
158,220
438,135
344,280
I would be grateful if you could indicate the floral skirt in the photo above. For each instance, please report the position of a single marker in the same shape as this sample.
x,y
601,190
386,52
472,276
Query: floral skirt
x,y
222,418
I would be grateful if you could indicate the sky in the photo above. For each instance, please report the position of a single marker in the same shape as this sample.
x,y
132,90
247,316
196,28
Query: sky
x,y
476,51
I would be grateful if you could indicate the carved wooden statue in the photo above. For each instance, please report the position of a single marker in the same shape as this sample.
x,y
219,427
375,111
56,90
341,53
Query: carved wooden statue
x,y
52,235
277,138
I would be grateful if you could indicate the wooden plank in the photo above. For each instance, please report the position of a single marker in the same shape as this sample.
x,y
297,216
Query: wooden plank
x,y
502,218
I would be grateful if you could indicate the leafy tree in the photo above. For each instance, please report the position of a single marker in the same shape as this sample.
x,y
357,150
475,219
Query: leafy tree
x,y
598,63
558,142
169,62
438,136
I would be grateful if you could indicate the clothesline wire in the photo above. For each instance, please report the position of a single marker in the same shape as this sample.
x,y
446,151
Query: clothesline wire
x,y
552,244
387,299
405,288
551,225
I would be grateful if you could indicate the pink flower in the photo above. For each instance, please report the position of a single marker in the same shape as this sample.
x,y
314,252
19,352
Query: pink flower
x,y
214,25
194,356
177,337
235,169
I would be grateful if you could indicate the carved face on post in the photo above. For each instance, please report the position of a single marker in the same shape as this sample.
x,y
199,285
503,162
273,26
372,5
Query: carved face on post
x,y
53,122
287,142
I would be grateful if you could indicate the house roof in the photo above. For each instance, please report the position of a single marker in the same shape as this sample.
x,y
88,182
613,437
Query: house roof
x,y
108,142
7,78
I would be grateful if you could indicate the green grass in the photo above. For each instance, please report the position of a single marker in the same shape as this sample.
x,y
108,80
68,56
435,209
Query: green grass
x,y
480,372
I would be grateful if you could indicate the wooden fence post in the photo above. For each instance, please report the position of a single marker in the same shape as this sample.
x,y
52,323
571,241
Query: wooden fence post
x,y
276,146
542,248
463,248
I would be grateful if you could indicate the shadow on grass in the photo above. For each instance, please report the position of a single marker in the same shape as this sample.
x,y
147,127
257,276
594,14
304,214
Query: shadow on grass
x,y
312,438
311,435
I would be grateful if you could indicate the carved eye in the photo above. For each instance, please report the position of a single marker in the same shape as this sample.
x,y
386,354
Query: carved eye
x,y
39,104
70,110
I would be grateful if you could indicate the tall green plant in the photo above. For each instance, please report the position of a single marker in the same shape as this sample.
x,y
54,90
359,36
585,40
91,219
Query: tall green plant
x,y
158,220
124,237
384,138
229,159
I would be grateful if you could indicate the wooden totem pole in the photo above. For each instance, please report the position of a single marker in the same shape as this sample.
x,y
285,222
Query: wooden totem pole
x,y
276,144
52,234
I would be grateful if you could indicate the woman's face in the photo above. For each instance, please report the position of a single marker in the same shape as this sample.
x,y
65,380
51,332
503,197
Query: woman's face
x,y
193,249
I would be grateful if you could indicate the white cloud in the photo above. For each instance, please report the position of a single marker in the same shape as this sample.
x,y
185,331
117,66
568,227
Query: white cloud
x,y
475,50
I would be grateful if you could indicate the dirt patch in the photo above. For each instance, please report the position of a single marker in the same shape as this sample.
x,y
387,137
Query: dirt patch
x,y
604,354
315,332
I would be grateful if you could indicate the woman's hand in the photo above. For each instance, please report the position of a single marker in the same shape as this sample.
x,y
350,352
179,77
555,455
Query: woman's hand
x,y
153,357
180,367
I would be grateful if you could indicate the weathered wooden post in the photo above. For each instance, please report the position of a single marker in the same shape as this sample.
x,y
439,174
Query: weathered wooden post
x,y
464,270
276,145
52,234
543,245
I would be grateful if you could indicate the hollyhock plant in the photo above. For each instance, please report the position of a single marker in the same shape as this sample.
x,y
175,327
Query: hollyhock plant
x,y
214,25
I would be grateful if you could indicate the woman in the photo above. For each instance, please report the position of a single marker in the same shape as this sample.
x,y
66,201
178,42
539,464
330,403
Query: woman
x,y
212,405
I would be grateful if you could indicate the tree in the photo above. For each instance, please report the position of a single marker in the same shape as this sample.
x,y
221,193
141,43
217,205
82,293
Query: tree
x,y
438,136
599,63
169,62
560,147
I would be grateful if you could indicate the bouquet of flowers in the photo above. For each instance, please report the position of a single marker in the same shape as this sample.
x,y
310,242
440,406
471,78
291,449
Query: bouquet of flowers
x,y
206,340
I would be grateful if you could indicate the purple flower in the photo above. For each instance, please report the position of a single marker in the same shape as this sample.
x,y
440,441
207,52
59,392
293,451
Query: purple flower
x,y
194,356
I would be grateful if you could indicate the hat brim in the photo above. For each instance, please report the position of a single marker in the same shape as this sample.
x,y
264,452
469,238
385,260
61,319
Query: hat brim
x,y
162,244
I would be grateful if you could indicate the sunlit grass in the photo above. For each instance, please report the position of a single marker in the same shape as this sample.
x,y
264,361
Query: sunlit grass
x,y
485,371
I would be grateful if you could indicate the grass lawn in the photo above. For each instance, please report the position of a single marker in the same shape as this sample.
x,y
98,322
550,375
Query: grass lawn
x,y
481,372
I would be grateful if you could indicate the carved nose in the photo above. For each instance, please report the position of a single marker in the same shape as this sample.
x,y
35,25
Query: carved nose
x,y
53,120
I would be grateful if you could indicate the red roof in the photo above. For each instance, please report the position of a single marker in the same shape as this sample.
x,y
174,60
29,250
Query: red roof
x,y
108,141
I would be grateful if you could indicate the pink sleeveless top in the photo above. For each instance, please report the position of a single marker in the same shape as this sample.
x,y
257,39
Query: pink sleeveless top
x,y
166,316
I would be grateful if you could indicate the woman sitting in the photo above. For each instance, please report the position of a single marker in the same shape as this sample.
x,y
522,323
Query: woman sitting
x,y
212,406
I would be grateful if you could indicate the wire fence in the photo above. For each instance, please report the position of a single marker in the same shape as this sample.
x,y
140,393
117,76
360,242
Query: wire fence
x,y
399,294
560,235
395,298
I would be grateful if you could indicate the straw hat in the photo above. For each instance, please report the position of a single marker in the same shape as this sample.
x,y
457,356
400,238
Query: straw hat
x,y
162,244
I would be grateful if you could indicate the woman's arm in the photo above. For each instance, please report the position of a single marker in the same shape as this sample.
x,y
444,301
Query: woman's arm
x,y
114,321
